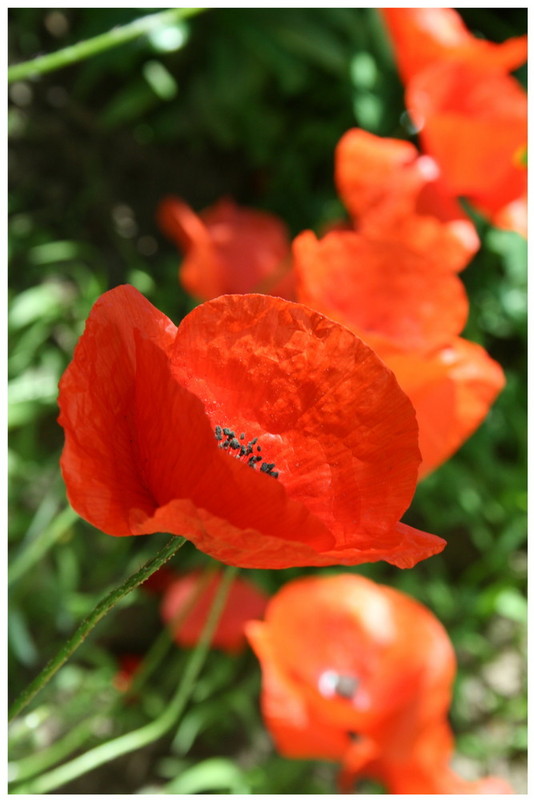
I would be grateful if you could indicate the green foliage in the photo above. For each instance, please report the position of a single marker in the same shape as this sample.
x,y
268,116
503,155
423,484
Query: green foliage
x,y
248,103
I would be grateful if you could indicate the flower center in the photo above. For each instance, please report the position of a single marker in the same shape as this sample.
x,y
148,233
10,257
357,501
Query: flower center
x,y
247,453
333,683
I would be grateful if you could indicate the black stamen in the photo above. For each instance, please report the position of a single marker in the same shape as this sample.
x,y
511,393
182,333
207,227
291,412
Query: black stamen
x,y
265,467
243,451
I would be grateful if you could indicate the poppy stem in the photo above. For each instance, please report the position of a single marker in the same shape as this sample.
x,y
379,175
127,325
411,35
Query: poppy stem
x,y
154,730
97,44
38,762
90,621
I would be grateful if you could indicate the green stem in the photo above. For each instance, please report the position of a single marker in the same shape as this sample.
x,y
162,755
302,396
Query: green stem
x,y
153,730
90,47
89,623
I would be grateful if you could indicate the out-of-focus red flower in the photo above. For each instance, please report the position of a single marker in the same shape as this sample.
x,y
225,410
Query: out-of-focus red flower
x,y
474,124
411,316
472,116
422,36
245,602
394,193
129,663
262,431
228,249
361,674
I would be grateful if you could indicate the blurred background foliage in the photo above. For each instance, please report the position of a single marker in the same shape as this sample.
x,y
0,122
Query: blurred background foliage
x,y
247,103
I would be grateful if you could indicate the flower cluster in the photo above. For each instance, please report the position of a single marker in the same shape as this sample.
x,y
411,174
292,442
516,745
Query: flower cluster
x,y
391,278
471,114
274,434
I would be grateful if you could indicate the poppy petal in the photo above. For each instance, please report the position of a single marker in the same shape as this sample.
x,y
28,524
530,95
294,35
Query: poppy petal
x,y
422,36
319,402
98,461
452,390
379,288
474,125
289,719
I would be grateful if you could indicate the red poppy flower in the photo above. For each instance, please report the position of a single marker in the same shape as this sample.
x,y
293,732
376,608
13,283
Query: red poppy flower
x,y
392,192
228,249
422,36
362,674
245,602
474,124
129,663
163,424
410,315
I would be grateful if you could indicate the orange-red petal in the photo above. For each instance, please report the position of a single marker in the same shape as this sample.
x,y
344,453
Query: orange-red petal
x,y
99,460
474,124
319,402
513,217
452,389
383,291
422,36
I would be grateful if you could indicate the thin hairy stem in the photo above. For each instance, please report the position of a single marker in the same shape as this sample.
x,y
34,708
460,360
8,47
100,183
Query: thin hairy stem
x,y
98,44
